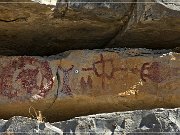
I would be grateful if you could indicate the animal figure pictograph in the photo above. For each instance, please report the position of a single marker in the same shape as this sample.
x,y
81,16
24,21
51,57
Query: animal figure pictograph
x,y
158,72
86,84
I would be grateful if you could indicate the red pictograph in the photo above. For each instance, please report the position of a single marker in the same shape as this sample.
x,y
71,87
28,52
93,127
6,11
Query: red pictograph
x,y
28,79
65,86
104,75
154,72
26,75
86,84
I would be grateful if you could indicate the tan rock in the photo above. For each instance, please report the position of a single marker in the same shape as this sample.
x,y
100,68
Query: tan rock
x,y
25,27
86,82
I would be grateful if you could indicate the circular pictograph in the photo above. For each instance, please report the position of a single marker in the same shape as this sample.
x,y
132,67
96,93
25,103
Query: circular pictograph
x,y
26,76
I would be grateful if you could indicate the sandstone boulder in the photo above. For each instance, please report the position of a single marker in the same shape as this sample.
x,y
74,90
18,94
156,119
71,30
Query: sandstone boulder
x,y
25,27
85,82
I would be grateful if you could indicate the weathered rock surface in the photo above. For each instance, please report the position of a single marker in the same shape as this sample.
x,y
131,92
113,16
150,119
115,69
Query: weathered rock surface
x,y
31,29
162,121
151,25
172,4
85,82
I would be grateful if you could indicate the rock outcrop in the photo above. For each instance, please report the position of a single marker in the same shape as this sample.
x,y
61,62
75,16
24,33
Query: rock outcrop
x,y
171,4
85,82
31,29
158,121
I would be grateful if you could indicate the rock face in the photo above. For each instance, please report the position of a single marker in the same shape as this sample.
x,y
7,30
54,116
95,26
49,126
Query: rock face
x,y
172,4
164,121
147,24
47,2
85,82
151,21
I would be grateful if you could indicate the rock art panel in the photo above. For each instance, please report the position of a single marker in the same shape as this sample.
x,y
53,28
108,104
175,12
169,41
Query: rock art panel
x,y
110,72
92,81
105,69
24,77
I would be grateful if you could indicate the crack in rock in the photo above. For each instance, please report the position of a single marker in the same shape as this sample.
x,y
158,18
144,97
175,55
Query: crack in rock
x,y
57,91
14,20
126,18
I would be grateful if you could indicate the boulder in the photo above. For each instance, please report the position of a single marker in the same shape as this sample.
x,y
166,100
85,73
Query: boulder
x,y
163,121
150,26
84,82
25,27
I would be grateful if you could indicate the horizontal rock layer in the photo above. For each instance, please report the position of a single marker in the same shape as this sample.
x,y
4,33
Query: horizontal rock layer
x,y
163,121
85,82
25,27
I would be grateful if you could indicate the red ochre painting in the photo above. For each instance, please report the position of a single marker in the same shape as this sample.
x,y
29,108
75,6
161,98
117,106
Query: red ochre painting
x,y
66,75
27,76
24,76
156,72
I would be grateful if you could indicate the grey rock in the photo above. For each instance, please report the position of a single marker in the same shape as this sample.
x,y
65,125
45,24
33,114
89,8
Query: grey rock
x,y
171,4
159,121
2,123
19,124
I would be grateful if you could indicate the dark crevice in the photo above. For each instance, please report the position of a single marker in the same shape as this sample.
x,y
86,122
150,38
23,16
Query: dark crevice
x,y
57,91
14,20
126,18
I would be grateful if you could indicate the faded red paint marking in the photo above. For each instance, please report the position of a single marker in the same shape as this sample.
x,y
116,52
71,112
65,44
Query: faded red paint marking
x,y
66,88
105,75
152,72
28,79
86,84
23,72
